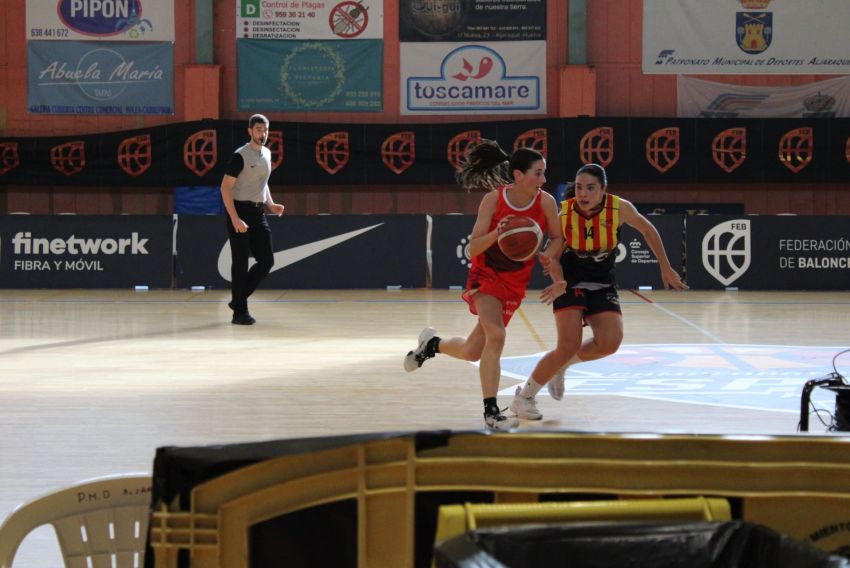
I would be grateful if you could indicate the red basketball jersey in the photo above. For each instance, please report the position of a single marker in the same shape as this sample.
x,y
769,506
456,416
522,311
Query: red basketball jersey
x,y
516,274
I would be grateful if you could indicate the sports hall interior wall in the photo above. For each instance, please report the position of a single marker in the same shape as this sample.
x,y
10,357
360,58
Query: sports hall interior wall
x,y
614,31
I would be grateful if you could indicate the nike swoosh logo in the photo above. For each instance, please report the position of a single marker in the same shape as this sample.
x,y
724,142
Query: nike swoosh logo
x,y
285,257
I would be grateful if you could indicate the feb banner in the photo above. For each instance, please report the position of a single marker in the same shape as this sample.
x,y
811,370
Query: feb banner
x,y
294,19
636,265
100,20
473,78
76,77
742,37
697,98
784,252
310,75
85,251
472,20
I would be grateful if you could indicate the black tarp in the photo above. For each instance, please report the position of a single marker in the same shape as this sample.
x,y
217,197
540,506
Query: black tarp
x,y
733,544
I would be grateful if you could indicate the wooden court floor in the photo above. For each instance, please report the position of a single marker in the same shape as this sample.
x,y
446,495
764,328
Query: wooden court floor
x,y
92,382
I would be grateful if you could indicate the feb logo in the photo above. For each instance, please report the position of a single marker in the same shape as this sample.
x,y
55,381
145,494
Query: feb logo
x,y
200,152
398,151
663,149
729,149
9,157
797,148
536,139
597,146
274,142
459,145
70,158
726,250
134,154
104,18
332,151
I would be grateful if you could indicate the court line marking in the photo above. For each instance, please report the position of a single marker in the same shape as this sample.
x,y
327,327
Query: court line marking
x,y
532,330
682,319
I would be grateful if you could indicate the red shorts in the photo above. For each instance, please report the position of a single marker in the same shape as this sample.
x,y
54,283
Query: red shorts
x,y
488,281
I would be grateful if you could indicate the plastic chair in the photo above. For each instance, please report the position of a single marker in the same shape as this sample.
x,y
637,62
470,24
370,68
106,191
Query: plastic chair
x,y
99,522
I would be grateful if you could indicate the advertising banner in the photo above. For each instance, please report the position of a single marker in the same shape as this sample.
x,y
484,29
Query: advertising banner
x,y
85,251
472,20
100,20
74,77
636,265
310,75
311,251
639,150
698,98
742,37
473,78
306,19
768,253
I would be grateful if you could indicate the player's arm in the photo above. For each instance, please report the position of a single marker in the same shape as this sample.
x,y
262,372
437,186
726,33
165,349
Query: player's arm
x,y
270,205
227,184
631,216
482,237
234,167
551,257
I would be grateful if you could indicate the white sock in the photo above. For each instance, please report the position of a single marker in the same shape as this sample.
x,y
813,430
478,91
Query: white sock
x,y
530,389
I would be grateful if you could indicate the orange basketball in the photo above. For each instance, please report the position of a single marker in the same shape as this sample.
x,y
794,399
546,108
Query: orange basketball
x,y
520,238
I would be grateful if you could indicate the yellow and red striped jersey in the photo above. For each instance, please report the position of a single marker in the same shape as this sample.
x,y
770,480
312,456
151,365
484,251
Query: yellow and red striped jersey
x,y
594,235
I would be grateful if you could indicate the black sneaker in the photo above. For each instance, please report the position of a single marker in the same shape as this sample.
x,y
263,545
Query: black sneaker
x,y
500,421
243,319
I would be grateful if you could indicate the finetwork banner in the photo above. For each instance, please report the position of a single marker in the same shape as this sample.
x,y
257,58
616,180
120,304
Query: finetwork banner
x,y
85,251
310,75
473,78
739,37
708,99
307,19
76,77
100,20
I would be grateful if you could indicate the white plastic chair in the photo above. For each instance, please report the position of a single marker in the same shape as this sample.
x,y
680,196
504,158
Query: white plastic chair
x,y
99,523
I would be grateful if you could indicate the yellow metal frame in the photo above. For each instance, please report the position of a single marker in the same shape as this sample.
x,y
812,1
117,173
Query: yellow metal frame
x,y
385,475
454,520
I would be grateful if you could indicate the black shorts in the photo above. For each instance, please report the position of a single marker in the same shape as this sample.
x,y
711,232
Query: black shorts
x,y
589,301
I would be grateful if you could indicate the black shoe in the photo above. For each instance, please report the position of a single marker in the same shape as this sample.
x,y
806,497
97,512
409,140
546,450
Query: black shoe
x,y
243,319
230,305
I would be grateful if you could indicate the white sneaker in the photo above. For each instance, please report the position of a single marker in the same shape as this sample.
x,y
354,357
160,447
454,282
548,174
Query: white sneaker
x,y
500,422
525,408
414,359
555,386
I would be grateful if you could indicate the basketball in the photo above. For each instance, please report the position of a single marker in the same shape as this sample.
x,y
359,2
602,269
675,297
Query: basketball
x,y
520,238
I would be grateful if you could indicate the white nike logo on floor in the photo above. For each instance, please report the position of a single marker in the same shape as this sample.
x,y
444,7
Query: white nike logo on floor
x,y
284,258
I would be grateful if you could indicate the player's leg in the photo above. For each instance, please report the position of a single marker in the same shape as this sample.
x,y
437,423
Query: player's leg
x,y
568,324
490,317
606,321
261,247
607,335
240,252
